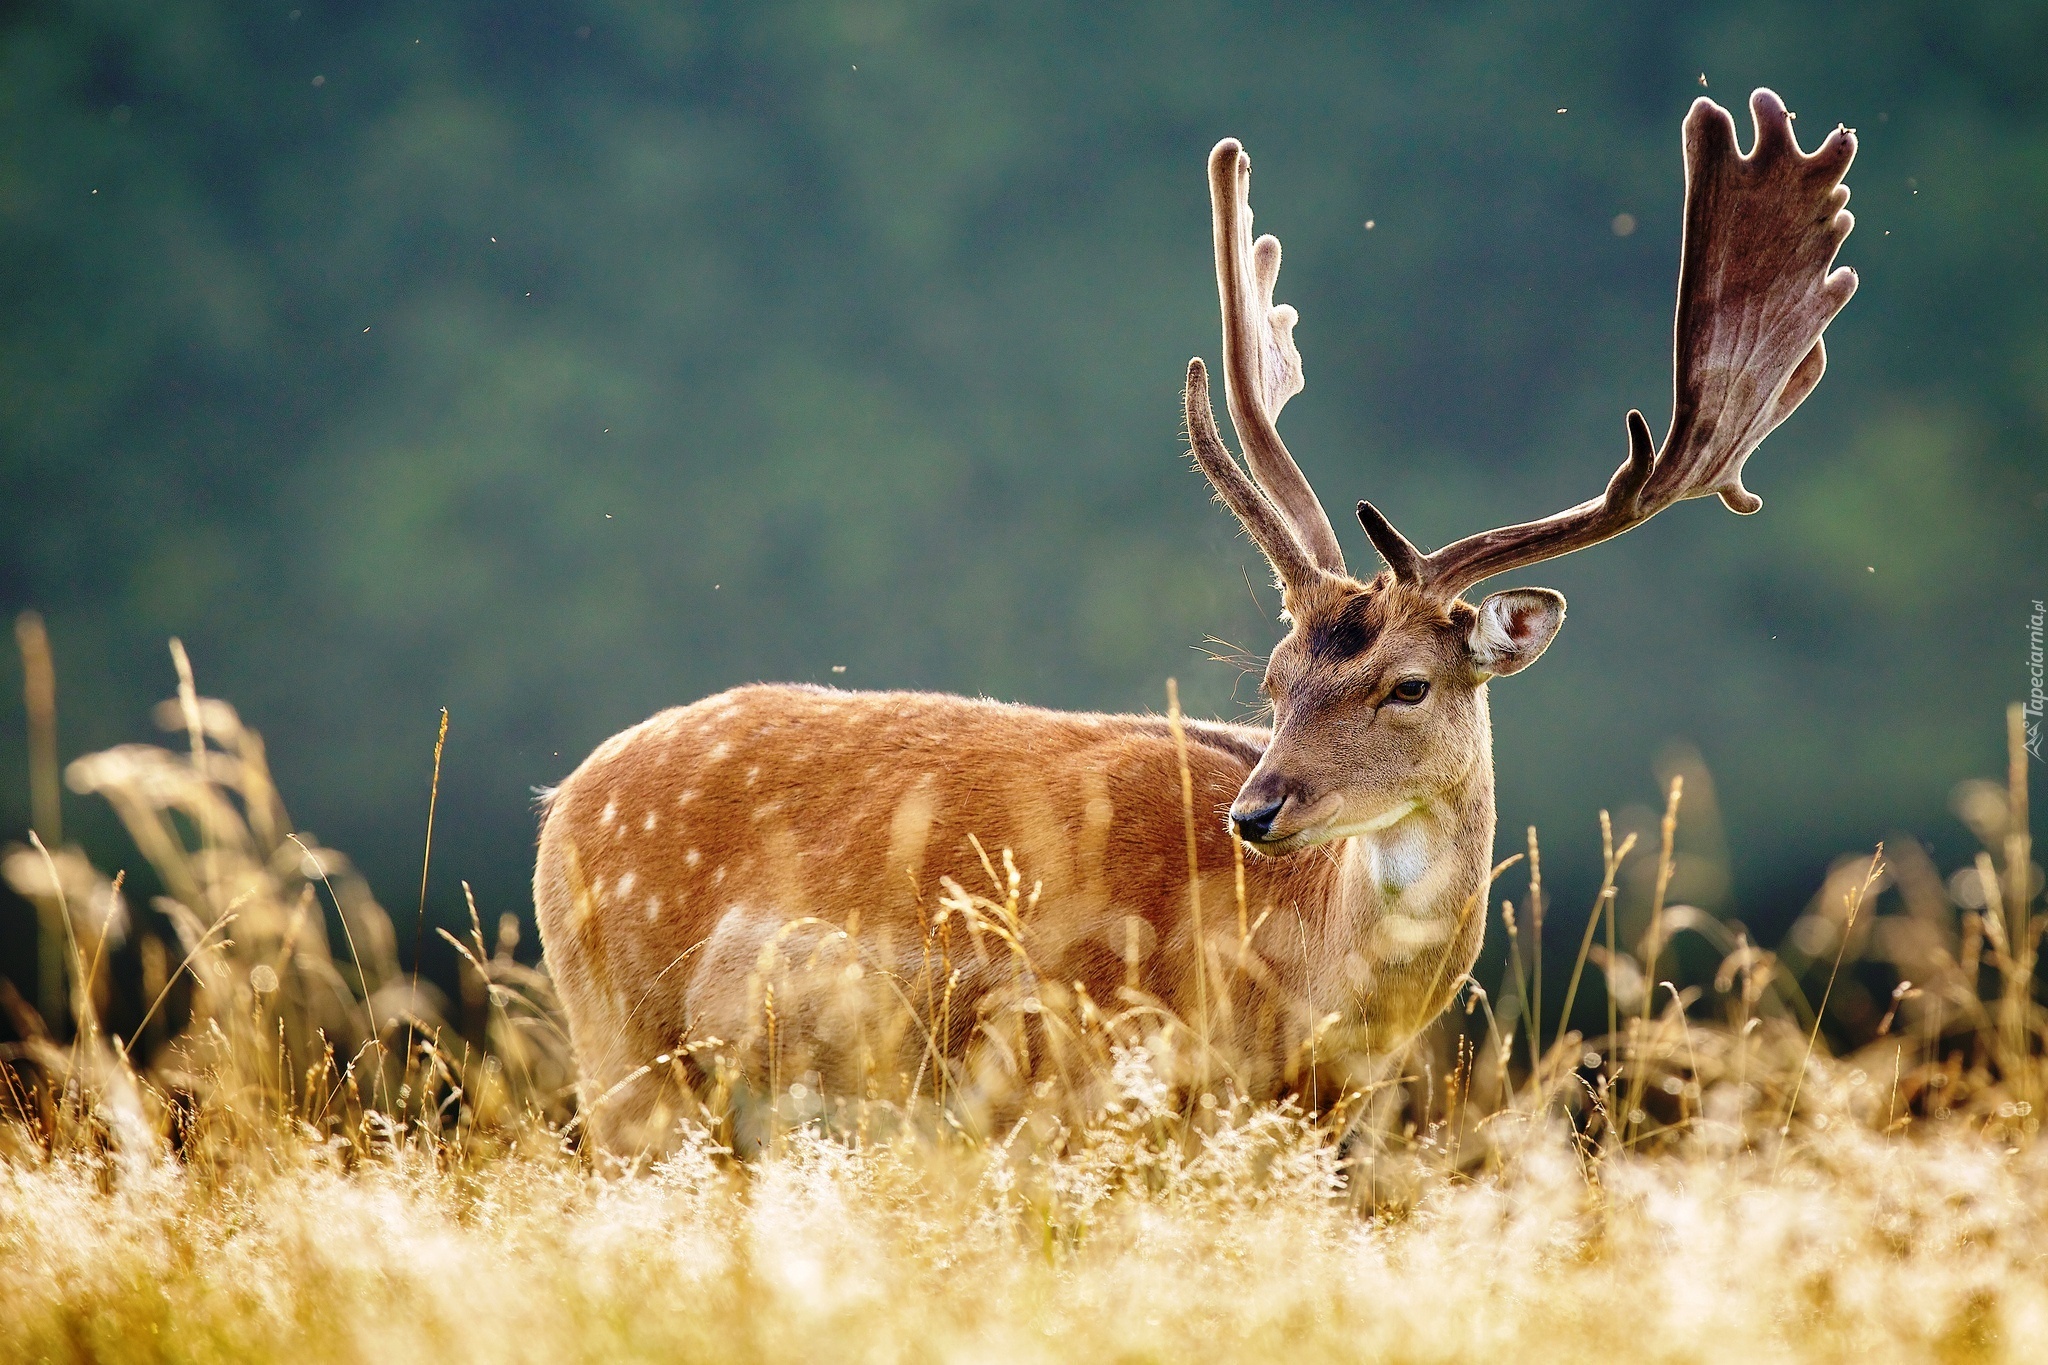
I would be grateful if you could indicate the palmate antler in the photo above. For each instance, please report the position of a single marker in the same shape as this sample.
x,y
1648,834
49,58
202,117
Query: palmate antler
x,y
1755,292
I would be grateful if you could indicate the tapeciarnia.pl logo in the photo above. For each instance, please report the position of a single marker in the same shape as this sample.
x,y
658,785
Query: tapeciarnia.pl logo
x,y
2035,697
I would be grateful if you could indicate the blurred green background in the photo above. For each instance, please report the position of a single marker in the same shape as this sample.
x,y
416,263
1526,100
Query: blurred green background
x,y
558,362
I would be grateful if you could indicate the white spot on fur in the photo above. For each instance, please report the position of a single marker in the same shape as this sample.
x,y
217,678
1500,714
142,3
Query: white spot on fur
x,y
653,907
648,823
692,858
611,813
626,884
753,775
719,751
719,875
685,797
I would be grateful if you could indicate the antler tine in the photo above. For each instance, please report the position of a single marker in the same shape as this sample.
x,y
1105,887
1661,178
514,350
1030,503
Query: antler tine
x,y
1261,520
1755,292
1262,369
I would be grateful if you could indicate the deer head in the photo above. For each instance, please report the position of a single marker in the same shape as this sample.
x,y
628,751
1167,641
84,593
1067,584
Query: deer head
x,y
1378,688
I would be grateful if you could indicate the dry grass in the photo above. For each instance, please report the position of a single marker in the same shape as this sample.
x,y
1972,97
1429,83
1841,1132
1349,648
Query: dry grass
x,y
1858,1249
303,1155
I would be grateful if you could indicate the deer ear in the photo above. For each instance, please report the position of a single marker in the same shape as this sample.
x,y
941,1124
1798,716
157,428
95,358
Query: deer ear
x,y
1513,628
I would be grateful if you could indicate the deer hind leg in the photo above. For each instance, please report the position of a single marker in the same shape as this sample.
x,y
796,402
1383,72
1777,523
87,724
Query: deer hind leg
x,y
789,1019
645,1109
634,1087
633,1079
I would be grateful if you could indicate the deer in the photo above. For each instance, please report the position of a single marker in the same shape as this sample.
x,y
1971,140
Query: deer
x,y
1344,884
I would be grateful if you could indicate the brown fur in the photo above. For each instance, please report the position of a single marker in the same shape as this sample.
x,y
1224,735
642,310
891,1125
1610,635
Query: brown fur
x,y
682,846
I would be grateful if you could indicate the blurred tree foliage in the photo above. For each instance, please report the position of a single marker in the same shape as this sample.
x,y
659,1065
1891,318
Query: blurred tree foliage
x,y
557,362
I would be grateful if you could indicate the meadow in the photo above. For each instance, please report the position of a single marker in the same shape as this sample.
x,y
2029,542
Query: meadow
x,y
299,1152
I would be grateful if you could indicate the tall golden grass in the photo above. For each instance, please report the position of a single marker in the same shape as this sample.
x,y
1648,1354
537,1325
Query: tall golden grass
x,y
299,1151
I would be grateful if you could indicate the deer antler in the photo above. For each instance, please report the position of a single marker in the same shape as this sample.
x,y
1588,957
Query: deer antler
x,y
1260,518
1755,292
1261,368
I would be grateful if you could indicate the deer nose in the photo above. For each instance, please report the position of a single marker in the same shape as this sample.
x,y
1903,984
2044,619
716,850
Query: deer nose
x,y
1254,825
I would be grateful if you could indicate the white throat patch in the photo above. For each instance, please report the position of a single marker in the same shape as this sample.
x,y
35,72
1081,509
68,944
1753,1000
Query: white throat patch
x,y
1408,866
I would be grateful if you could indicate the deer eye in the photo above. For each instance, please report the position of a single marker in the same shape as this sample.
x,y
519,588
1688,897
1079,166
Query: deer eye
x,y
1409,691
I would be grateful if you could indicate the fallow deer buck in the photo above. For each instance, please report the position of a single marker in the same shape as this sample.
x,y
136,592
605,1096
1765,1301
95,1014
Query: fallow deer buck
x,y
693,857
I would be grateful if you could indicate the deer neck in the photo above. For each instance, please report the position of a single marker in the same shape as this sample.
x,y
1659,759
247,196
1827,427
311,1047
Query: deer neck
x,y
1407,903
1422,866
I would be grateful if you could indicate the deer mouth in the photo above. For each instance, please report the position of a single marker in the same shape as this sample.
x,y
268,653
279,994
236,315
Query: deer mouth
x,y
1313,827
1324,827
